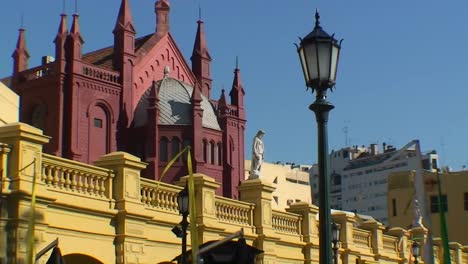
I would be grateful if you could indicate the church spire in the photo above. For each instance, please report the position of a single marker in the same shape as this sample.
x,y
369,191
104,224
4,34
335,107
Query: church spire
x,y
75,29
237,92
21,54
201,60
222,104
162,8
124,19
74,39
124,36
61,37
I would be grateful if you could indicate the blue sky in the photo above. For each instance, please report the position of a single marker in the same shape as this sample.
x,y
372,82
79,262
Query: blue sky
x,y
402,73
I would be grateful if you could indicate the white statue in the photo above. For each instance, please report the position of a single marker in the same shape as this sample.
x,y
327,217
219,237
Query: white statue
x,y
417,220
257,155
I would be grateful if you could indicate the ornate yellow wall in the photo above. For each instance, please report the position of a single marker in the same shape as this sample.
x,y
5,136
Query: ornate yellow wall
x,y
108,213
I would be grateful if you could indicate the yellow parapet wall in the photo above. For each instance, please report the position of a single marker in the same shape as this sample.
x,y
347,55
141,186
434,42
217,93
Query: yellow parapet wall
x,y
108,214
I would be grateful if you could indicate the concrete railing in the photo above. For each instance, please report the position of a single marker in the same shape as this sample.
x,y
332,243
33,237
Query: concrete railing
x,y
72,176
233,211
161,195
100,74
284,222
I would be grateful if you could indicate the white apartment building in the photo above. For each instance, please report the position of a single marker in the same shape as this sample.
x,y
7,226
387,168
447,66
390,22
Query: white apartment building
x,y
359,175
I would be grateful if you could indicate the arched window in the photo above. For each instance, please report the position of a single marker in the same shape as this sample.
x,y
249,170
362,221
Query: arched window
x,y
205,151
175,147
212,152
163,149
38,116
220,152
99,131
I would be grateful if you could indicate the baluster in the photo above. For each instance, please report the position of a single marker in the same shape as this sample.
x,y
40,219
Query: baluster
x,y
79,178
174,202
85,183
93,185
66,174
59,177
144,198
223,211
52,178
165,203
156,198
97,185
73,177
44,173
149,194
103,186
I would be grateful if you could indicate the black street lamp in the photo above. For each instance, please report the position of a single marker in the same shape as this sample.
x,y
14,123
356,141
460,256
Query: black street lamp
x,y
335,239
319,53
183,204
415,250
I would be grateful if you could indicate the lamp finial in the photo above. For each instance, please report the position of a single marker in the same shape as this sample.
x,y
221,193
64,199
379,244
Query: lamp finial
x,y
317,18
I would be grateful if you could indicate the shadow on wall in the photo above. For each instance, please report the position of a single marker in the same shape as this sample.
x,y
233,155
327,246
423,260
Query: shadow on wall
x,y
80,259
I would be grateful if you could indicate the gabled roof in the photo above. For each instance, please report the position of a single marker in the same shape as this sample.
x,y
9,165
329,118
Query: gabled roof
x,y
103,57
175,107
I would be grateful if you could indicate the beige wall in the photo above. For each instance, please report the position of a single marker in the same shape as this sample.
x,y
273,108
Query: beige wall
x,y
292,185
9,105
454,185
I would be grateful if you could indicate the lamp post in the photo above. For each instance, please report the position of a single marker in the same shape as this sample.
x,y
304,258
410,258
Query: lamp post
x,y
415,250
319,53
183,204
335,239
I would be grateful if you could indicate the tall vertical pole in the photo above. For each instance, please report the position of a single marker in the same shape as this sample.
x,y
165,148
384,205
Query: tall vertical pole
x,y
184,225
321,108
335,254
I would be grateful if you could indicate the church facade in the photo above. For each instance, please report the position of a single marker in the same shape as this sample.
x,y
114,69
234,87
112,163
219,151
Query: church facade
x,y
138,96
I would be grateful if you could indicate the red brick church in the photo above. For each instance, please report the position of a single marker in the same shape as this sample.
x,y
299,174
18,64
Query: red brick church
x,y
139,96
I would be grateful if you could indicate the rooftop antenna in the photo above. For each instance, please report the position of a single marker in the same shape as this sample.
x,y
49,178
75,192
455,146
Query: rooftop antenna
x,y
199,12
63,6
442,152
76,6
346,133
22,20
237,62
22,15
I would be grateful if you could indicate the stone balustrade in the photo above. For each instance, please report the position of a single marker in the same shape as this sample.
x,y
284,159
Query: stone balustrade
x,y
284,222
109,212
159,195
233,211
76,177
97,73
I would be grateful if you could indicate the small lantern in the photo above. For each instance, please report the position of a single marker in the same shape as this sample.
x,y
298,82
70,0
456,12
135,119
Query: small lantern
x,y
183,201
335,233
319,54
